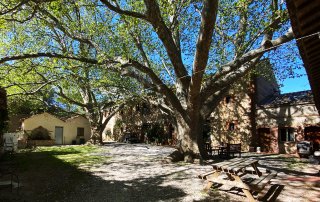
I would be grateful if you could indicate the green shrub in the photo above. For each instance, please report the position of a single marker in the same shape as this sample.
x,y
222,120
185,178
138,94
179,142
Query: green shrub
x,y
155,133
39,133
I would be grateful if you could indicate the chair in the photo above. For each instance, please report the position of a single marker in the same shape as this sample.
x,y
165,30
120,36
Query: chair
x,y
208,148
8,145
234,149
231,149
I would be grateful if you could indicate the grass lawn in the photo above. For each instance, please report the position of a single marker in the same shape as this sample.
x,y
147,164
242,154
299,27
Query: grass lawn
x,y
51,173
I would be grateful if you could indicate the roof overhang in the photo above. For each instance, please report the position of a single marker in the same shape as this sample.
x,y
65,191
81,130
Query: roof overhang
x,y
305,21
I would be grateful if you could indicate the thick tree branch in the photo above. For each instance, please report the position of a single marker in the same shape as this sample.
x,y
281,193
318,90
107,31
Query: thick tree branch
x,y
33,91
146,83
117,9
160,103
160,86
48,55
137,42
165,35
114,111
63,95
208,19
227,80
213,101
14,8
249,56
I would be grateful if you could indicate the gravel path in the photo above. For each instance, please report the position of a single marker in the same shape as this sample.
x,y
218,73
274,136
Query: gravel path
x,y
137,172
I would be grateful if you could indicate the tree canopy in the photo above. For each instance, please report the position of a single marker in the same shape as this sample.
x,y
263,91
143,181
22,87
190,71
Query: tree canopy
x,y
185,54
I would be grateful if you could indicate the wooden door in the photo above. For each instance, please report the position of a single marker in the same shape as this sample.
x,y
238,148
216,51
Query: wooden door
x,y
58,133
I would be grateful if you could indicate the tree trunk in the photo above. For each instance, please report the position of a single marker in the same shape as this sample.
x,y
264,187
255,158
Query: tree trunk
x,y
96,132
190,139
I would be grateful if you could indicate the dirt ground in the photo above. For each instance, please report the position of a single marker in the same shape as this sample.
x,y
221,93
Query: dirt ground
x,y
138,172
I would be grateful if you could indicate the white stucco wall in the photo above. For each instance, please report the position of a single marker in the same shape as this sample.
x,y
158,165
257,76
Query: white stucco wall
x,y
71,125
49,122
45,120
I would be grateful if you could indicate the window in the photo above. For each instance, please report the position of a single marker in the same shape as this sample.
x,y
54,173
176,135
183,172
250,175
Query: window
x,y
286,134
231,126
80,131
228,99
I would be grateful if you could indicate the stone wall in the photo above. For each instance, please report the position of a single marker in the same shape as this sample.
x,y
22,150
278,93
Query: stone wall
x,y
230,122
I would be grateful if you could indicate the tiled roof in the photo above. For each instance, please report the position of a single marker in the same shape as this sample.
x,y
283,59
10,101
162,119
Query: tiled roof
x,y
289,98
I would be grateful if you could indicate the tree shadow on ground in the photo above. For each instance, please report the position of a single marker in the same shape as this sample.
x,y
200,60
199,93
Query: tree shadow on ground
x,y
44,177
295,177
274,162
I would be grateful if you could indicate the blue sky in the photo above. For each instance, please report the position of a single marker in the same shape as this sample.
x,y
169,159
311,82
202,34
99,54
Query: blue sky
x,y
296,84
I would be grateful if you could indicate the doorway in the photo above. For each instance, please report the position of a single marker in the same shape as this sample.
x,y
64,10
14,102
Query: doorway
x,y
58,133
267,141
312,133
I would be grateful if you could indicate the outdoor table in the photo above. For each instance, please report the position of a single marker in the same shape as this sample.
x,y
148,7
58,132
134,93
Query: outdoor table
x,y
235,169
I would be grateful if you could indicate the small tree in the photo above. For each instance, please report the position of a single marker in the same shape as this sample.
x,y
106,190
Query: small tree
x,y
39,133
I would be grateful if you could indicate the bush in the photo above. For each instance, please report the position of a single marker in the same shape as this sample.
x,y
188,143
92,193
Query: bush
x,y
39,133
155,133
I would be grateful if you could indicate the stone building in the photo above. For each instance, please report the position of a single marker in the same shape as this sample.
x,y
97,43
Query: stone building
x,y
141,121
283,120
255,114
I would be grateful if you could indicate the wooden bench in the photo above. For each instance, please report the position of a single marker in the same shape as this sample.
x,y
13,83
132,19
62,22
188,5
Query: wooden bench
x,y
235,171
259,183
234,149
255,185
205,175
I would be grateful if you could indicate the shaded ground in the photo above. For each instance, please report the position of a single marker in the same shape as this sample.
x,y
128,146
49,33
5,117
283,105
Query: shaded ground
x,y
128,172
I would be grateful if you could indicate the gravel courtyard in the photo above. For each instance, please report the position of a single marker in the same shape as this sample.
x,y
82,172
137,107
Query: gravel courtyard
x,y
138,172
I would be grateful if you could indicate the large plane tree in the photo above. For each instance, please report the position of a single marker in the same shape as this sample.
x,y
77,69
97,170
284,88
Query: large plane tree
x,y
186,53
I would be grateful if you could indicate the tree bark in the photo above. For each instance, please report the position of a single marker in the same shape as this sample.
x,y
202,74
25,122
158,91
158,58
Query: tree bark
x,y
190,139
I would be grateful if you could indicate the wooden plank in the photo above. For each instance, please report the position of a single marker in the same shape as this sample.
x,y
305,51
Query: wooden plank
x,y
229,183
240,166
244,163
204,176
221,165
226,163
245,191
262,181
209,184
234,168
257,171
